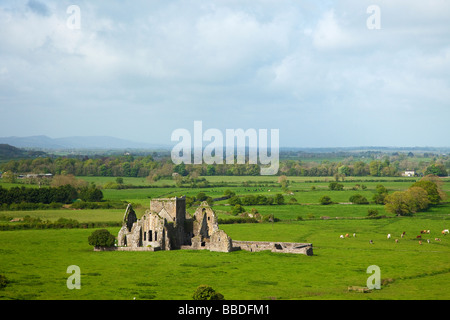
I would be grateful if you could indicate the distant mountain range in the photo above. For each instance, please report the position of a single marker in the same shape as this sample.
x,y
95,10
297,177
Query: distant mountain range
x,y
45,143
10,152
93,142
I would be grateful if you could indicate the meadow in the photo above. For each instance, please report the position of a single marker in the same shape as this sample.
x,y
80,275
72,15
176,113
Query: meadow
x,y
35,261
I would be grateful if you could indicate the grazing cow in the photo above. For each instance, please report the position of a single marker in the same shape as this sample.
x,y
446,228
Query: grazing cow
x,y
346,235
428,240
396,240
423,231
341,236
437,239
389,236
354,235
420,242
371,242
419,237
428,231
445,231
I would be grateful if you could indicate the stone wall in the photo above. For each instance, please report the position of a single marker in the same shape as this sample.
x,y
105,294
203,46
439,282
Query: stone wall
x,y
282,247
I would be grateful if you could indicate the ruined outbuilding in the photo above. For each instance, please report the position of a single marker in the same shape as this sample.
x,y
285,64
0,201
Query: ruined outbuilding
x,y
167,226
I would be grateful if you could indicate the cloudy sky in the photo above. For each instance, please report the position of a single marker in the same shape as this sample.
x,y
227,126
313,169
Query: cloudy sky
x,y
138,70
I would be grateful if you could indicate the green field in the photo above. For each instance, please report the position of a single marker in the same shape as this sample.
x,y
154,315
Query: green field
x,y
35,261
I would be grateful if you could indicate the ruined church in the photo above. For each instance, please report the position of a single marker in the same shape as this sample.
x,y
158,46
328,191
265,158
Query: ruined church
x,y
167,226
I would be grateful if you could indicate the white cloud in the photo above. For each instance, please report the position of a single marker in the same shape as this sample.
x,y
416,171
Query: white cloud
x,y
232,62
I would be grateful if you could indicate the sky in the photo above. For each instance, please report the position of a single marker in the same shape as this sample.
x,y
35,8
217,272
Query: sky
x,y
325,73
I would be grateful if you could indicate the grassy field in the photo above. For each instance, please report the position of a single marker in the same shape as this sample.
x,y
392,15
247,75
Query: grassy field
x,y
35,261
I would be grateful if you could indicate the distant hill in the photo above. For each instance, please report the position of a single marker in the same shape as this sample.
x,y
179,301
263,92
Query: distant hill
x,y
10,152
93,142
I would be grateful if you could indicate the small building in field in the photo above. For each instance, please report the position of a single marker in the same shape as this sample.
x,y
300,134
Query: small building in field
x,y
409,173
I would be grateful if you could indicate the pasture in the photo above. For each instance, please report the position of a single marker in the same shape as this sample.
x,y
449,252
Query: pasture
x,y
35,261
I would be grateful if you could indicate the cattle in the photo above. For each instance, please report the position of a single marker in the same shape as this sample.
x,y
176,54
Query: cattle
x,y
389,236
423,231
428,240
437,239
341,236
347,235
396,240
371,242
420,242
419,237
445,231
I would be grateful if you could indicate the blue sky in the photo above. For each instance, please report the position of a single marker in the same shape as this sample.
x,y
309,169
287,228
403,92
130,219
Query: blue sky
x,y
138,70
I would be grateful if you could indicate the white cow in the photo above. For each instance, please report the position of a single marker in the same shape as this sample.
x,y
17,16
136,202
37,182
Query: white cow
x,y
389,236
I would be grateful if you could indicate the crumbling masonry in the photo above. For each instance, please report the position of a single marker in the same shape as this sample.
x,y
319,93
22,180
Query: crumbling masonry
x,y
167,226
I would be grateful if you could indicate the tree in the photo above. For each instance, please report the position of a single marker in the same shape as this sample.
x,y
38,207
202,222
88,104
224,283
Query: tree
x,y
283,181
344,170
381,194
228,193
91,194
436,180
101,238
432,190
279,199
237,209
407,202
336,186
437,169
375,168
372,213
201,196
397,203
234,200
9,177
358,199
325,200
210,170
205,292
181,169
417,199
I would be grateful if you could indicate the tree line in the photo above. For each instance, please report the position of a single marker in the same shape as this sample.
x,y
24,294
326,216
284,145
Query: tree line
x,y
147,166
65,194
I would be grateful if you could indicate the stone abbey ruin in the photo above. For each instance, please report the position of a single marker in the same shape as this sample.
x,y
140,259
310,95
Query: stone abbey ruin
x,y
167,226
